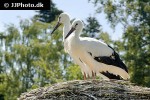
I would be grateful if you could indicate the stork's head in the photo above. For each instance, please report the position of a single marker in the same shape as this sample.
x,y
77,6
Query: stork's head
x,y
62,19
77,26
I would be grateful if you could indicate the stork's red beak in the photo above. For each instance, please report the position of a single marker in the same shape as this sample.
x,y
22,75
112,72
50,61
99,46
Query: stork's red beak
x,y
72,29
57,25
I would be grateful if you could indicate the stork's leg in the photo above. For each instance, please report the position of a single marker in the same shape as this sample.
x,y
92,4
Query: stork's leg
x,y
84,76
93,75
88,76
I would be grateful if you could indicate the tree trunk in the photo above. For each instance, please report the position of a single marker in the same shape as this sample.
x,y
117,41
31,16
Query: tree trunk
x,y
89,90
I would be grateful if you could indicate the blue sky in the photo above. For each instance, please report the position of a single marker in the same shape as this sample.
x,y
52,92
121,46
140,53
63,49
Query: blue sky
x,y
13,16
76,8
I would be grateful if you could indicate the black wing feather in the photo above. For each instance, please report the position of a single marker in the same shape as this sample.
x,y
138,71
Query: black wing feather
x,y
111,76
112,60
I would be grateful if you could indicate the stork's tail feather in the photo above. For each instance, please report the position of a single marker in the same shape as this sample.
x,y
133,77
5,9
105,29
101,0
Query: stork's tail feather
x,y
113,72
119,72
111,76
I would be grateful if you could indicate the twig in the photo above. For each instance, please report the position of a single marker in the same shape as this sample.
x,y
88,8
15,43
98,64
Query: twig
x,y
91,96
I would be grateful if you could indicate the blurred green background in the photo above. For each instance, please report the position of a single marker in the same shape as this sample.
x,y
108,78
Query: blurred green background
x,y
30,57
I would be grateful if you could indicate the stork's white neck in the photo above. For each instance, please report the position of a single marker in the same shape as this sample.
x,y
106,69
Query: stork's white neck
x,y
66,28
77,34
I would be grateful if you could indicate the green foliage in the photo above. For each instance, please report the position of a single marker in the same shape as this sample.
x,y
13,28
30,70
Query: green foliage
x,y
73,72
105,36
30,58
138,53
91,27
135,44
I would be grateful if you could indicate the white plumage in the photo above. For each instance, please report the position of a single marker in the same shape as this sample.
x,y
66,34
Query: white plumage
x,y
65,20
98,56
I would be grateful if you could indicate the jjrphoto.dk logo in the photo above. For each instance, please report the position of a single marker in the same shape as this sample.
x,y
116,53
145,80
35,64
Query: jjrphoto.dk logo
x,y
6,5
25,5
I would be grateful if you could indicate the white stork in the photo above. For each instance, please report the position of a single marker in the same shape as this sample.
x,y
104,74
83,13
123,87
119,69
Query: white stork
x,y
65,20
100,57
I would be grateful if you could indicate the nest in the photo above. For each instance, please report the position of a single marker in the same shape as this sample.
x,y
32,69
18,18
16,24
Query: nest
x,y
89,90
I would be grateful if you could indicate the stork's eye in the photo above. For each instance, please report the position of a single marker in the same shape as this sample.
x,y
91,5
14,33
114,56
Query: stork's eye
x,y
76,24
